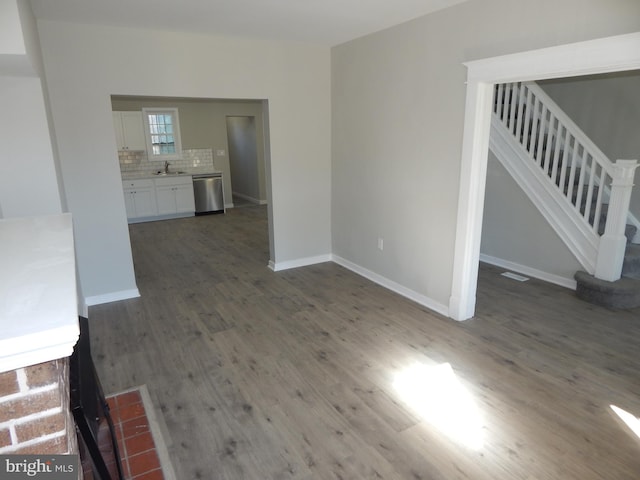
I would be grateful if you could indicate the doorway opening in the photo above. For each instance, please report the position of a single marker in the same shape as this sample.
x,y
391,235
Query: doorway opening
x,y
204,141
611,54
248,183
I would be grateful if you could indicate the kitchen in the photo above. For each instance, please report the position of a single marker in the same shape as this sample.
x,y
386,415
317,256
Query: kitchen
x,y
158,187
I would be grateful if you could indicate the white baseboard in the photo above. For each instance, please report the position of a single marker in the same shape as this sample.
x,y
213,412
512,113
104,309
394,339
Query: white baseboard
x,y
111,297
155,218
529,271
248,198
300,262
393,286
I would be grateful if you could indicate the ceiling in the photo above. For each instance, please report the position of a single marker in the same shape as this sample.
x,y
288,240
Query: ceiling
x,y
324,22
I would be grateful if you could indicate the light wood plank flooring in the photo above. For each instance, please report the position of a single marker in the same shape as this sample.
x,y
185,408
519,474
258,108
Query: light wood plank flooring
x,y
292,375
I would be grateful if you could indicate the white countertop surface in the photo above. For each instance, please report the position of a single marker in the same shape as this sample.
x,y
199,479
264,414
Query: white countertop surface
x,y
188,172
38,295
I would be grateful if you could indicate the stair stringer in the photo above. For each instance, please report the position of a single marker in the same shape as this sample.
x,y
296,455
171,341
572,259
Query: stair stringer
x,y
573,229
584,140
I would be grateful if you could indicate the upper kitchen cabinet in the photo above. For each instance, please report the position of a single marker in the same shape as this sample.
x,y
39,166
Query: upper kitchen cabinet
x,y
129,129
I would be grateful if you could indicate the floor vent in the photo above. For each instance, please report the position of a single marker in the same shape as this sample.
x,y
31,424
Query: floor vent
x,y
514,276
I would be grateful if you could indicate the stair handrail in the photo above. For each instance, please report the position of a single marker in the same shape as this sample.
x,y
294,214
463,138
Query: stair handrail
x,y
572,127
571,228
544,130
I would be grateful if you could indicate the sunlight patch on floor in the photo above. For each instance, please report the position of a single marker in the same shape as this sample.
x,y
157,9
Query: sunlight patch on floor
x,y
629,419
437,395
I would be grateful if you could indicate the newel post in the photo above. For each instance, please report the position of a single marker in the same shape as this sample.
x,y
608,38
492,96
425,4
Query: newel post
x,y
614,242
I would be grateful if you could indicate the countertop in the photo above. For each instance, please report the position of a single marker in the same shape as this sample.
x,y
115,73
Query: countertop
x,y
188,172
38,295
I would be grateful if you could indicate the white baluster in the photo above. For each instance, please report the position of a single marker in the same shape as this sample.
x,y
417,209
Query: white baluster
x,y
572,173
521,111
513,105
548,143
565,157
589,200
499,100
583,168
613,243
529,112
601,186
540,134
535,128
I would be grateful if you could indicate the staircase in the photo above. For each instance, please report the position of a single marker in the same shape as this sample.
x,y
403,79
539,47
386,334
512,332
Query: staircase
x,y
581,193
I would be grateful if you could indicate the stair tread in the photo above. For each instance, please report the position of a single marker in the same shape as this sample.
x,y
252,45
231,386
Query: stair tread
x,y
624,285
623,293
633,251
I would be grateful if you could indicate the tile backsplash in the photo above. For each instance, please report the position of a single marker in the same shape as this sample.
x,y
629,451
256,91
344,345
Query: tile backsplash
x,y
137,162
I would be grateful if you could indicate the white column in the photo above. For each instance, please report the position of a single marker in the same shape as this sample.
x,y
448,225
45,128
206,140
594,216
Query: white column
x,y
613,243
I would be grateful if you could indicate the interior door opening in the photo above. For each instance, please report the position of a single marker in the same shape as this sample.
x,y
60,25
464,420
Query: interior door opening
x,y
611,54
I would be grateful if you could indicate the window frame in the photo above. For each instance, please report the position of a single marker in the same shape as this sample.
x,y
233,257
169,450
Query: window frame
x,y
175,119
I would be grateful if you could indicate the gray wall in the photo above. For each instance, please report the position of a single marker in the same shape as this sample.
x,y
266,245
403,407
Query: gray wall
x,y
397,125
514,230
607,108
87,64
29,184
243,156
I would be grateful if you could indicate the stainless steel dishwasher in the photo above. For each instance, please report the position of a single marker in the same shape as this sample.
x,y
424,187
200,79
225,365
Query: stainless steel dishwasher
x,y
208,193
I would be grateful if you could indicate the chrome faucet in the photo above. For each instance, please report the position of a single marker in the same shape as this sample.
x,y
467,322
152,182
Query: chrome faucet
x,y
166,167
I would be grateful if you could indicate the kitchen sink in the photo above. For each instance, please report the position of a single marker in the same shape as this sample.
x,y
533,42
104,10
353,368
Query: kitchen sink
x,y
169,173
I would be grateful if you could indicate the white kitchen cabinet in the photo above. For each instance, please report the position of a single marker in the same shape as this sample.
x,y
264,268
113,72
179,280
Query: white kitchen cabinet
x,y
174,195
140,198
129,130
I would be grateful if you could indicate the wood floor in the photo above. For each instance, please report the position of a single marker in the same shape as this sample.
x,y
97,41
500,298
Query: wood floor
x,y
298,374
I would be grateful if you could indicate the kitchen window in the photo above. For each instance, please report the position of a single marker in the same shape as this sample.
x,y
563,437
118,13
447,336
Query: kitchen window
x,y
162,131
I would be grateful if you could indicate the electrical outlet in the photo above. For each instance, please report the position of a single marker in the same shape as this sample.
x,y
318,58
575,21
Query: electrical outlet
x,y
380,243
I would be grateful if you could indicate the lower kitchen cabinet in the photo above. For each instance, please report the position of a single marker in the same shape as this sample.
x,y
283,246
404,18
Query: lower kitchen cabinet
x,y
158,198
174,195
140,198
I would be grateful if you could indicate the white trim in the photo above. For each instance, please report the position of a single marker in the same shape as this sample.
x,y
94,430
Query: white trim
x,y
300,262
155,218
603,55
39,306
146,111
393,286
253,200
66,338
111,297
573,229
594,150
530,271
